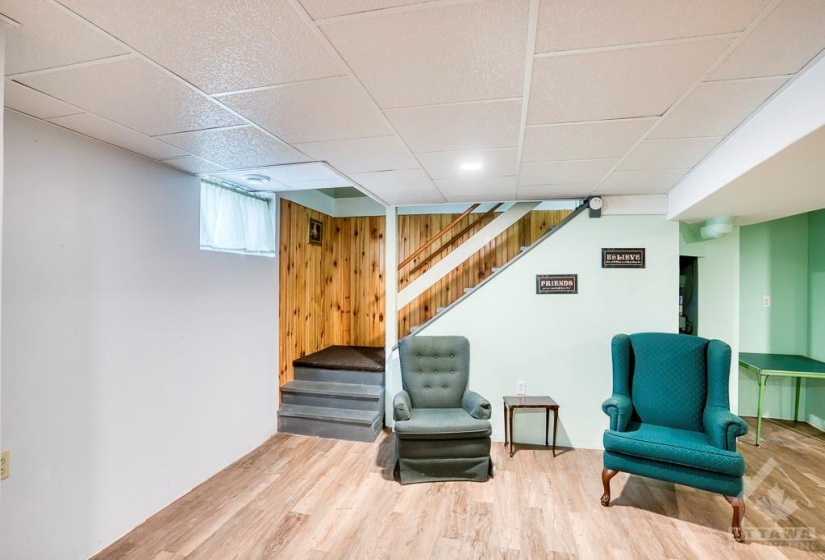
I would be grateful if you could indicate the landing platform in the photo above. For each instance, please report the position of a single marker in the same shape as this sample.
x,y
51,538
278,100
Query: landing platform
x,y
361,358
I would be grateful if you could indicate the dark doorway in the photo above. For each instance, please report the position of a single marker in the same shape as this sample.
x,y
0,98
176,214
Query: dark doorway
x,y
688,295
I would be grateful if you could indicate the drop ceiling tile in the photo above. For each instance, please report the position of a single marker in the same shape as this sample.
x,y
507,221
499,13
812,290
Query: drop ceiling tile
x,y
404,60
301,172
580,24
463,126
478,189
615,84
590,140
330,109
559,172
783,43
236,148
408,186
135,94
96,127
319,9
716,108
223,46
192,164
446,165
551,192
48,37
641,182
361,155
322,184
682,153
32,102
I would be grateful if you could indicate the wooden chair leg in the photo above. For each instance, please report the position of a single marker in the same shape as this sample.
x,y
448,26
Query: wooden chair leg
x,y
607,474
738,504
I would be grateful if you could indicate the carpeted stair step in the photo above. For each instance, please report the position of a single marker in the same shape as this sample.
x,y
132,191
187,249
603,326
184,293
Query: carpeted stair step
x,y
333,394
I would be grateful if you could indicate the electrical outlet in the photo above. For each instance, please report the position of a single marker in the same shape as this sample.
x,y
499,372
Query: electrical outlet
x,y
521,388
766,301
4,464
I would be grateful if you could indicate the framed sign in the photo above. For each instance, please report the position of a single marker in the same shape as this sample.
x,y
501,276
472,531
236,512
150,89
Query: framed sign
x,y
557,283
623,258
316,232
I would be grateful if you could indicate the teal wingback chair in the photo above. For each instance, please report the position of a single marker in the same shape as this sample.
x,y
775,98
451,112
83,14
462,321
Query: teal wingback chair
x,y
670,416
442,428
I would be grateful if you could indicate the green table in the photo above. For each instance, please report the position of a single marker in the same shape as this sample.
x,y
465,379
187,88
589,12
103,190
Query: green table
x,y
779,365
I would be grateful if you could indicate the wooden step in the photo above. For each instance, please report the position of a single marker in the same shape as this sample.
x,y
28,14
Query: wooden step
x,y
328,422
333,395
339,375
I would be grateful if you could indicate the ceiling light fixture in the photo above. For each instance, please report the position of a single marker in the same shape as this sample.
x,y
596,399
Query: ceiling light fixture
x,y
256,179
470,166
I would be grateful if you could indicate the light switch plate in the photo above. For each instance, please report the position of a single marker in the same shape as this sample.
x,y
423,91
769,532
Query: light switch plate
x,y
766,301
521,388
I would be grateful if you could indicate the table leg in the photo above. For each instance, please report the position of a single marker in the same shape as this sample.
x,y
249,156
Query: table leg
x,y
796,403
546,426
555,428
763,379
505,425
511,431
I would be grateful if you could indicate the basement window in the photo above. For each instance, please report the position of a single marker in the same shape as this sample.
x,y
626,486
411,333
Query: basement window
x,y
236,221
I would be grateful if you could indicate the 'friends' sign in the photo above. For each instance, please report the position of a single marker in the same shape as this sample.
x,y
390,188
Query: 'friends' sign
x,y
557,283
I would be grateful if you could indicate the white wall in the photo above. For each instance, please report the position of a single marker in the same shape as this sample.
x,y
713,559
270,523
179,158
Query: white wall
x,y
134,365
560,344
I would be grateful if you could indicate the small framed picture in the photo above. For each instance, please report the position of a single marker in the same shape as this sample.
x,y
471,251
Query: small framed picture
x,y
316,232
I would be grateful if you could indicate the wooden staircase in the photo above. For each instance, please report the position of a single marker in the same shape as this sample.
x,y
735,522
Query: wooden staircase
x,y
337,393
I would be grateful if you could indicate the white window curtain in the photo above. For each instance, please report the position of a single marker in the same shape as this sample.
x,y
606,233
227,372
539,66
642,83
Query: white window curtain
x,y
234,221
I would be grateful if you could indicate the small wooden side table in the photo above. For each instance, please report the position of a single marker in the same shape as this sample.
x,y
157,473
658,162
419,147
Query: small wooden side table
x,y
548,404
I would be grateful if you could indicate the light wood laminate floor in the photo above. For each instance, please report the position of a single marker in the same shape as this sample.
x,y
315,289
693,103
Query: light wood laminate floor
x,y
308,498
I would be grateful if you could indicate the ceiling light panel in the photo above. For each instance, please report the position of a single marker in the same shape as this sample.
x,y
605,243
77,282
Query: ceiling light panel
x,y
581,24
462,126
135,94
48,38
681,153
192,164
554,192
403,59
590,140
31,102
330,109
783,43
236,148
96,127
223,46
632,82
448,165
361,155
641,182
319,9
716,108
559,172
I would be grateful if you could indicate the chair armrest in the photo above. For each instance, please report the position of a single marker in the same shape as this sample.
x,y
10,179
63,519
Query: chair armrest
x,y
476,405
620,409
401,406
723,427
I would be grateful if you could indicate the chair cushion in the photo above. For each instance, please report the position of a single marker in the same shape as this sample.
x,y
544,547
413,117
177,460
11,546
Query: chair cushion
x,y
442,423
683,447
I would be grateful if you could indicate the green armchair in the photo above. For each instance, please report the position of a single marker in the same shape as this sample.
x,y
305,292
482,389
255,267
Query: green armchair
x,y
442,429
670,417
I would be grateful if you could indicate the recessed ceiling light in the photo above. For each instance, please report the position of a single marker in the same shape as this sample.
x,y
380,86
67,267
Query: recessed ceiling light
x,y
256,179
470,166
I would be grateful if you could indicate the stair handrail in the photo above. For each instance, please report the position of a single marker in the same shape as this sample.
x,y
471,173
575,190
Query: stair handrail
x,y
469,227
437,236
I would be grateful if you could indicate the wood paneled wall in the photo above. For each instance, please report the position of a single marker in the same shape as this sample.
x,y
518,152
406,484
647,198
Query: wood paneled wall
x,y
331,293
414,230
334,293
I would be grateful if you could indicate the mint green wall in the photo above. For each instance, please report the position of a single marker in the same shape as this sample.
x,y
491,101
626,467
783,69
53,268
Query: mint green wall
x,y
815,389
773,262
